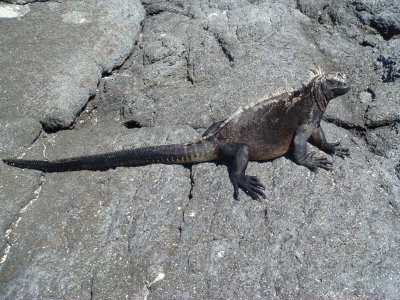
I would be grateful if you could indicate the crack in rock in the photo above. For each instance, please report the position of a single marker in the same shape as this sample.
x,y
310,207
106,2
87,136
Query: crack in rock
x,y
223,44
22,211
190,197
91,287
190,77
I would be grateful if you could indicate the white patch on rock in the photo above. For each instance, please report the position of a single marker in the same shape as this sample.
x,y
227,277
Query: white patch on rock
x,y
13,11
221,254
75,17
159,277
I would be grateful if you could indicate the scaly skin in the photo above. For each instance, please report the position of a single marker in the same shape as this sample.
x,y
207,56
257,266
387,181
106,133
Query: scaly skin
x,y
265,130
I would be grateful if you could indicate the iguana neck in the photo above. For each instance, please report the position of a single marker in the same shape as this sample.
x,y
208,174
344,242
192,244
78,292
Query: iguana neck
x,y
317,95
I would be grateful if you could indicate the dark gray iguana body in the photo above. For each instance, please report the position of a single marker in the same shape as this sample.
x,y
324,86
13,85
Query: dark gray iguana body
x,y
262,131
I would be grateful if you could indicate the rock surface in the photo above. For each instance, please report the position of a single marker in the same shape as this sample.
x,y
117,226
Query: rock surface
x,y
166,231
59,52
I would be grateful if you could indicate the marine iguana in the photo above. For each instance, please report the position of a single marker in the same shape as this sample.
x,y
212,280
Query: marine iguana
x,y
261,131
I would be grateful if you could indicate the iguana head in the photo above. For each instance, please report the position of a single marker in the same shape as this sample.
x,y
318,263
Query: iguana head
x,y
334,85
325,87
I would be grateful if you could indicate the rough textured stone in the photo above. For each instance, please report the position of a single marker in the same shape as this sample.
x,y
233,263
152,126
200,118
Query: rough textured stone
x,y
17,135
175,232
386,107
98,211
56,53
388,23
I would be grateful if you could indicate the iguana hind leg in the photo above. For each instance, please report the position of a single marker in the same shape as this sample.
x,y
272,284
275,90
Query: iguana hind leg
x,y
239,156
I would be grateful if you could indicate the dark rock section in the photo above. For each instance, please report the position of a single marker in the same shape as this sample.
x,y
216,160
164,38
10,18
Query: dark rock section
x,y
175,232
387,23
380,15
388,62
23,1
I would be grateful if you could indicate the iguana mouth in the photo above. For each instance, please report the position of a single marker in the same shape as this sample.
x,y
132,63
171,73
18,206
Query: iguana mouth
x,y
341,90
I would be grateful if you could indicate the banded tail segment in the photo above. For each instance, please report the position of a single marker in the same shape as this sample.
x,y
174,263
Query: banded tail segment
x,y
199,151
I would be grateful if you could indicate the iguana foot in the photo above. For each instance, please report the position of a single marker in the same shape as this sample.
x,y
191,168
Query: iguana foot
x,y
313,163
334,148
251,185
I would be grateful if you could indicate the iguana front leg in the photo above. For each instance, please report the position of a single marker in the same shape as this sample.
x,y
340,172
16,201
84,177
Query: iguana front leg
x,y
239,155
318,138
300,154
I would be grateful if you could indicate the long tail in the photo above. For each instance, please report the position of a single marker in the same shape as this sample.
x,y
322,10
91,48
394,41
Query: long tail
x,y
198,151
